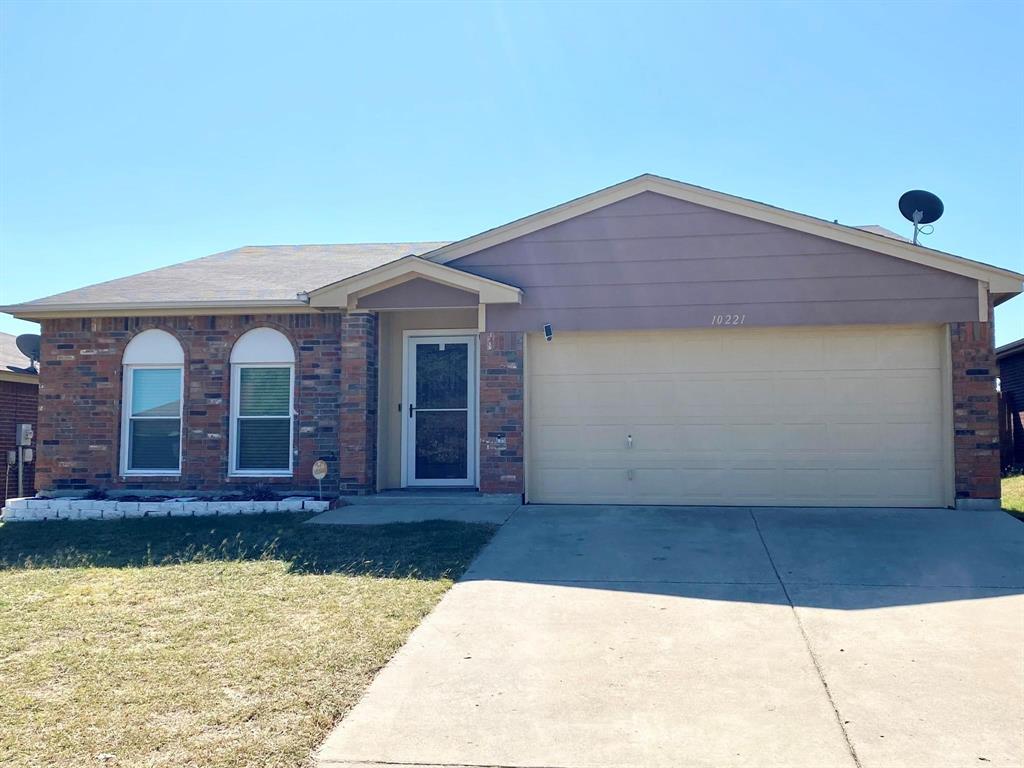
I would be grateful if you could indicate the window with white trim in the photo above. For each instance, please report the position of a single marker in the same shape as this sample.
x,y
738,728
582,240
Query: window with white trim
x,y
262,387
154,373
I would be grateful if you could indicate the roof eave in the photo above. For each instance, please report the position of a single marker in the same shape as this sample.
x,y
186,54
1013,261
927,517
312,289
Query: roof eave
x,y
345,293
1013,348
126,309
19,378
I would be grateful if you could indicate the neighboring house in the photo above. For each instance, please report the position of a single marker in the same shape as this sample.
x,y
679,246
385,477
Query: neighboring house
x,y
19,404
1011,380
706,349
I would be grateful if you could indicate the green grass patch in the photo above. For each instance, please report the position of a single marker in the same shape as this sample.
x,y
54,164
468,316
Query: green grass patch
x,y
1013,495
229,641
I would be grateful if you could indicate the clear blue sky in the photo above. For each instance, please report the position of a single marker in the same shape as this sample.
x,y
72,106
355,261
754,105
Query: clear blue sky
x,y
135,136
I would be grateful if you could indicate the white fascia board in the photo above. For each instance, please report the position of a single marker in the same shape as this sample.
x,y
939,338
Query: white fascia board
x,y
150,308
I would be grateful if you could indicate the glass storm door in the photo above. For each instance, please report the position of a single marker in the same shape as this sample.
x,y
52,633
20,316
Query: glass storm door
x,y
440,410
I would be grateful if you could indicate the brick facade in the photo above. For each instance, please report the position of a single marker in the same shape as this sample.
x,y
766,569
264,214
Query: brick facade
x,y
336,379
975,413
360,349
19,404
80,397
501,412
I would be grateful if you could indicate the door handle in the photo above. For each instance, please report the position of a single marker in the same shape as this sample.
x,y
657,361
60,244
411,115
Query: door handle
x,y
412,410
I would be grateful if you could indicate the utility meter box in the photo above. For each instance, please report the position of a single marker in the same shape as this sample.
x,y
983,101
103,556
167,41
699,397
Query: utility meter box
x,y
23,435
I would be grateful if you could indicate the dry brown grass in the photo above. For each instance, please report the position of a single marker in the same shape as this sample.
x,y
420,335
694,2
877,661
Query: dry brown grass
x,y
235,658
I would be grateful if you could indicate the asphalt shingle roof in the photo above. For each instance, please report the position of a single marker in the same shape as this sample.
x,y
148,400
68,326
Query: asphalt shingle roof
x,y
11,358
250,273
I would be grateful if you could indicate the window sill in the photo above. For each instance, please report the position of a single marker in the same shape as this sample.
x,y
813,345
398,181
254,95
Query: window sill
x,y
155,473
259,474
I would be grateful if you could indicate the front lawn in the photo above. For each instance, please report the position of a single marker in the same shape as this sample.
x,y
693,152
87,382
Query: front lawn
x,y
1013,494
230,641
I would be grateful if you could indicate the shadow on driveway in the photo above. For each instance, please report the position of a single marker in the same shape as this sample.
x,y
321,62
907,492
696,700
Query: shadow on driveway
x,y
898,556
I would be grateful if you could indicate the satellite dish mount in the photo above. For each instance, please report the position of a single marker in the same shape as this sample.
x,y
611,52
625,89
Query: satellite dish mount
x,y
922,208
28,344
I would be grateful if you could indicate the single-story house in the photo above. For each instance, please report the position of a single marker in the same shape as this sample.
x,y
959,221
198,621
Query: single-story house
x,y
19,404
650,343
1011,383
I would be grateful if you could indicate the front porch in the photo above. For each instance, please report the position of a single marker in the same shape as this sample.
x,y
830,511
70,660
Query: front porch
x,y
430,398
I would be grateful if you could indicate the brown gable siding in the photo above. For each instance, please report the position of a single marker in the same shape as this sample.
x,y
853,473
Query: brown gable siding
x,y
418,293
651,261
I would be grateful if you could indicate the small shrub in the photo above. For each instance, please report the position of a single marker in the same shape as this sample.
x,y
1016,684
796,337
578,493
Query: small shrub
x,y
262,493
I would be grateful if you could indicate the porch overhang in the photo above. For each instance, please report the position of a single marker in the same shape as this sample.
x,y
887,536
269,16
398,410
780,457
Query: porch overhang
x,y
463,289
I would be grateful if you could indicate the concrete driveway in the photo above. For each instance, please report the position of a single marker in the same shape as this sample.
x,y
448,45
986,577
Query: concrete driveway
x,y
593,637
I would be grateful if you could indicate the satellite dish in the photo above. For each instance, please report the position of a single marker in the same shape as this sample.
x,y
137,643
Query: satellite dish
x,y
28,344
920,207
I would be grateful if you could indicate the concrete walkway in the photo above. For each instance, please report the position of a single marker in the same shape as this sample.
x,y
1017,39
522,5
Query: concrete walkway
x,y
601,637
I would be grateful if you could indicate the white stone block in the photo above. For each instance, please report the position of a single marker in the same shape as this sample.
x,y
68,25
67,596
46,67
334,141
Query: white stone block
x,y
316,506
108,509
73,512
19,503
265,506
293,503
238,507
152,509
129,508
178,509
42,505
89,514
60,505
196,508
10,514
170,507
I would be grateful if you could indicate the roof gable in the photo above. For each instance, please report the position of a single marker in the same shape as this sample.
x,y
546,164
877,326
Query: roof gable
x,y
1001,281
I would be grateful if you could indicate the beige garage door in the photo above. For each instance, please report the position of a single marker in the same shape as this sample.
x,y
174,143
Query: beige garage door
x,y
809,416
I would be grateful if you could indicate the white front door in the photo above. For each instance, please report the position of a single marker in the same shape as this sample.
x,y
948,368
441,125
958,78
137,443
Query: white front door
x,y
440,411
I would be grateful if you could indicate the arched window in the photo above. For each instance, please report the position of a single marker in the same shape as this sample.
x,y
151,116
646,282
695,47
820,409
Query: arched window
x,y
262,386
154,372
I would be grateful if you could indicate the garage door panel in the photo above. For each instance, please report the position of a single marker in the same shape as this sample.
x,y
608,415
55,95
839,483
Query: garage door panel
x,y
763,416
806,485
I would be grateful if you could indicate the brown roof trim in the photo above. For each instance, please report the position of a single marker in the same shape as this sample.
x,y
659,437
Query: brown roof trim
x,y
1009,349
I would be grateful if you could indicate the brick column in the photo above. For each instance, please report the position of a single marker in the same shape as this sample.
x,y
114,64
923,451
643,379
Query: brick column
x,y
501,412
975,414
358,424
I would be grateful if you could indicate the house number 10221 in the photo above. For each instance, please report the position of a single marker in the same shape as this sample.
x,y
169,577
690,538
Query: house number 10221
x,y
728,319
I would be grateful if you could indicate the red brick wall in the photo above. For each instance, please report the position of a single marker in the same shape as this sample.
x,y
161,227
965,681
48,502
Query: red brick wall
x,y
80,396
358,403
975,411
19,404
501,412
